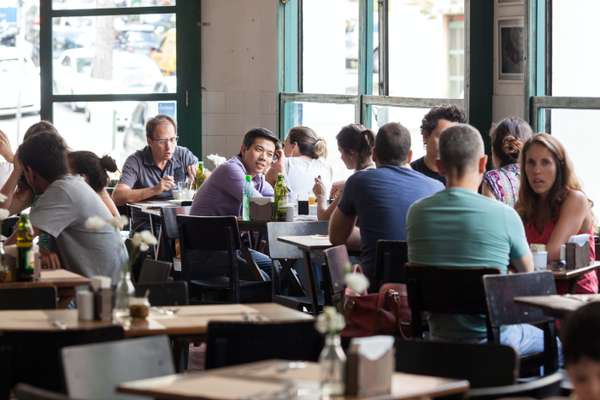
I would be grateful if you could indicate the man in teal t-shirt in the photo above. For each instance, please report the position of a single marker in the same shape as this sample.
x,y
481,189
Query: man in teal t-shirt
x,y
460,228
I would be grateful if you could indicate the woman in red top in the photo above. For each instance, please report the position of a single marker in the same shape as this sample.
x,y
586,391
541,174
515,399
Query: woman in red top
x,y
551,203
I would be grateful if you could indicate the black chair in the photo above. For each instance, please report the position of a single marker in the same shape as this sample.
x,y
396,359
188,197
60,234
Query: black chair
x,y
446,291
390,258
34,357
28,298
232,343
465,361
203,237
285,256
500,291
154,271
24,391
164,293
334,273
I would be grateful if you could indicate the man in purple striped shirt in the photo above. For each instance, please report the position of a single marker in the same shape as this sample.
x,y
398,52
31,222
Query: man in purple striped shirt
x,y
221,194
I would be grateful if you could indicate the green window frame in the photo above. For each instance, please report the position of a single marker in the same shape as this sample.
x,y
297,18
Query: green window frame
x,y
478,82
187,96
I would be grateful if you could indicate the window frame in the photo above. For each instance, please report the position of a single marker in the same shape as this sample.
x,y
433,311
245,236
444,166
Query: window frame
x,y
290,82
187,95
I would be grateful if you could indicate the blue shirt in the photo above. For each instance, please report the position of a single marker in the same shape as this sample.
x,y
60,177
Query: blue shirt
x,y
380,198
460,228
221,194
140,171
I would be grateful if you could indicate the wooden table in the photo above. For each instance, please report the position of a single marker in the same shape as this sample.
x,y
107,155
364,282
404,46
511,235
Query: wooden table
x,y
308,244
172,321
572,275
276,379
558,306
64,281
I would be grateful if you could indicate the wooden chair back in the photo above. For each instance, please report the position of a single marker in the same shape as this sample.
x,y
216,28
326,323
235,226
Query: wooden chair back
x,y
446,290
93,371
390,259
28,298
459,361
154,271
164,293
232,343
334,273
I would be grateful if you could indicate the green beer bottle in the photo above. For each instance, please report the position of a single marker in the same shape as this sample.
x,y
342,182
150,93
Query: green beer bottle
x,y
200,176
24,249
281,192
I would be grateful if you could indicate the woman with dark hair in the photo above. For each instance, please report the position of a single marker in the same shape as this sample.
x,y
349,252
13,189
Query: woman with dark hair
x,y
551,203
94,170
355,143
301,160
18,193
508,137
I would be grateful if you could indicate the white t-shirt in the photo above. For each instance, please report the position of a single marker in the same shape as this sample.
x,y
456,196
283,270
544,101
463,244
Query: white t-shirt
x,y
6,169
301,174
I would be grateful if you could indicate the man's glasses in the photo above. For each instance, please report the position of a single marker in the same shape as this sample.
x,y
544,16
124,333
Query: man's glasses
x,y
162,142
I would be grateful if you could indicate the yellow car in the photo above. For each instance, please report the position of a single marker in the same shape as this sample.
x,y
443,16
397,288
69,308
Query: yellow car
x,y
165,56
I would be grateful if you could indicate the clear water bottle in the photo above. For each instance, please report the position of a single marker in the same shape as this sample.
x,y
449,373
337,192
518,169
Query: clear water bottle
x,y
246,194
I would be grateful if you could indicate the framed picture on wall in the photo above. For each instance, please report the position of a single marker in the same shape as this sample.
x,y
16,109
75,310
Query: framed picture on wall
x,y
509,2
511,49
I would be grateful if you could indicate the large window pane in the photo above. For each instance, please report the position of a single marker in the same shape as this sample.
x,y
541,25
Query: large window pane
x,y
326,120
375,55
111,54
574,66
19,67
115,128
408,117
85,4
426,48
576,129
330,46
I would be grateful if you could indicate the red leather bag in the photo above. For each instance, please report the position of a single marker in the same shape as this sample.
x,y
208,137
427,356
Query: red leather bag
x,y
383,313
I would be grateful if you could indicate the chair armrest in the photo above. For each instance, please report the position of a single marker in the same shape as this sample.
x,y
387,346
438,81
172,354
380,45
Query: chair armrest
x,y
518,389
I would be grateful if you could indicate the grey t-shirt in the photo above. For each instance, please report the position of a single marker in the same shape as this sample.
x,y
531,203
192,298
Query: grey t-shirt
x,y
61,211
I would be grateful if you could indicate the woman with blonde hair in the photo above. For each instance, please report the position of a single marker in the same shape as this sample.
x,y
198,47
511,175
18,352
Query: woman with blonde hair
x,y
301,160
508,137
552,204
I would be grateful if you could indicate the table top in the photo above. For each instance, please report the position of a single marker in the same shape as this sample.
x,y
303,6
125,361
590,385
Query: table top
x,y
565,274
60,278
152,207
179,320
558,306
267,379
308,242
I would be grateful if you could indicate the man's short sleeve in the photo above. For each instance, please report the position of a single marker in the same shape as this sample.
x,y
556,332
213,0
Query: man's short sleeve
x,y
131,171
516,234
188,157
53,212
348,202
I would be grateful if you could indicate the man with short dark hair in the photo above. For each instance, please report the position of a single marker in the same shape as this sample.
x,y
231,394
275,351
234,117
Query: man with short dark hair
x,y
460,228
221,193
432,125
63,206
379,198
151,173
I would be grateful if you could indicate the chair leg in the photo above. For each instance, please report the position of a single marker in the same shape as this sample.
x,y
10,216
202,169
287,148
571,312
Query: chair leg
x,y
181,347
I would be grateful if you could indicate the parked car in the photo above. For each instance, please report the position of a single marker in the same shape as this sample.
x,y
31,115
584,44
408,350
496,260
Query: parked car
x,y
139,38
166,54
20,83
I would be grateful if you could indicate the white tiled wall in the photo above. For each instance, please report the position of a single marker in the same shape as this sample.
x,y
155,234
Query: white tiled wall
x,y
239,71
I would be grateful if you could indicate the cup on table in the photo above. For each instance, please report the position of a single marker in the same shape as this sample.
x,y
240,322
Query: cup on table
x,y
139,307
85,305
540,257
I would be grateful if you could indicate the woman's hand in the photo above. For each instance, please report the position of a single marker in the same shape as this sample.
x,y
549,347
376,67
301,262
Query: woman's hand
x,y
319,188
336,189
5,149
50,259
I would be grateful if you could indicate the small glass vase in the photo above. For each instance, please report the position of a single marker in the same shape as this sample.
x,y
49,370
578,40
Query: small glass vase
x,y
124,291
332,362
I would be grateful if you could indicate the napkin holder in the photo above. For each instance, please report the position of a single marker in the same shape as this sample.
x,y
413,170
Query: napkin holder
x,y
369,377
577,256
261,209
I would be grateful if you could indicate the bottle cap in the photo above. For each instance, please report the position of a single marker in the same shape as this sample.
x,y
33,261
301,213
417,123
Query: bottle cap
x,y
248,178
100,282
